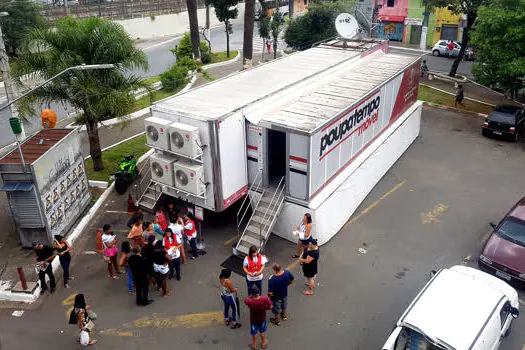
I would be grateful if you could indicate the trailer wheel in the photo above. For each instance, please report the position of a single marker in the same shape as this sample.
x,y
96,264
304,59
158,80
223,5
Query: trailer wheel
x,y
121,185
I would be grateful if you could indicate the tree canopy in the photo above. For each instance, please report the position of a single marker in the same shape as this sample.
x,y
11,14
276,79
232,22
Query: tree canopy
x,y
459,7
98,94
316,25
499,41
23,15
225,10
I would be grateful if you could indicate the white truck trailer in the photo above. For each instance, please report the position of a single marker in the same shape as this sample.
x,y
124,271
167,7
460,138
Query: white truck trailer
x,y
310,132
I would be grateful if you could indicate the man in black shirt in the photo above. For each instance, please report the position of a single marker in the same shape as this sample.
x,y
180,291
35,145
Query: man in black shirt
x,y
140,268
44,257
173,212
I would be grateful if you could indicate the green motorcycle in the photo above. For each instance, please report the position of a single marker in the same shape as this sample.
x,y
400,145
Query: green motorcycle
x,y
126,174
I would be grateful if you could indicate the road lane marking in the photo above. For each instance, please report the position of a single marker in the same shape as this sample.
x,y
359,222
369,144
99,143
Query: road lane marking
x,y
70,300
114,331
292,265
432,216
373,205
485,238
231,240
197,320
467,259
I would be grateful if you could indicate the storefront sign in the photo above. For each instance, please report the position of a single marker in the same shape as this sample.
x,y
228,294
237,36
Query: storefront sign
x,y
413,21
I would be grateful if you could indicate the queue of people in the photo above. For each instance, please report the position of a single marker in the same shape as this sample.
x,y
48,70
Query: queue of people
x,y
154,254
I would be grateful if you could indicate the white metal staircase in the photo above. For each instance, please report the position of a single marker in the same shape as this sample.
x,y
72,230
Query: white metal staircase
x,y
147,190
265,205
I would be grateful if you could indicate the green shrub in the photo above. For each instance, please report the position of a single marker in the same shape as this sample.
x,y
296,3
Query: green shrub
x,y
187,63
205,48
184,49
174,78
205,58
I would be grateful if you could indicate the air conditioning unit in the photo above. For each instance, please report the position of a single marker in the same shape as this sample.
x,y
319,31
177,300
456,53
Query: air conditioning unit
x,y
185,139
157,132
162,168
189,177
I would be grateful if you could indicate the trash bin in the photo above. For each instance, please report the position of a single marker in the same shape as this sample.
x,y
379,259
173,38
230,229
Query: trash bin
x,y
16,126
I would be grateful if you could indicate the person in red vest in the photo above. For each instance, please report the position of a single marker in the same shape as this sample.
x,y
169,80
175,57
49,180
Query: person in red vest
x,y
191,234
253,265
172,244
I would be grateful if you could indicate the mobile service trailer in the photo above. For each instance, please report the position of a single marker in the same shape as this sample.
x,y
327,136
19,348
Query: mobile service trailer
x,y
310,132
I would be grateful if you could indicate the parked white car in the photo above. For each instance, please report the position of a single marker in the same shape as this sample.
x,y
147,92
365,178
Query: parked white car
x,y
460,308
440,49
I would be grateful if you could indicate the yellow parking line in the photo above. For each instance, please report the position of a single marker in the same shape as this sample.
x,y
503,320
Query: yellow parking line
x,y
113,331
373,205
292,265
231,240
197,320
485,238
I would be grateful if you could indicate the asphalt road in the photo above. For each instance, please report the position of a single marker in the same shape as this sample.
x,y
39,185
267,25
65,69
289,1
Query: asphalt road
x,y
431,210
438,64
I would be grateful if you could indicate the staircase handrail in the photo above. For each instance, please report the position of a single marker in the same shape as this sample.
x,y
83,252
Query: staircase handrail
x,y
258,183
269,210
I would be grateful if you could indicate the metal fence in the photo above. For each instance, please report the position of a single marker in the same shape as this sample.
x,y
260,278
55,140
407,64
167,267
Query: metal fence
x,y
120,9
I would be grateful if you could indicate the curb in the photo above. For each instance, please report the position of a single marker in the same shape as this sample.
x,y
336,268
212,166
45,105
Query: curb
x,y
445,77
451,94
218,64
430,104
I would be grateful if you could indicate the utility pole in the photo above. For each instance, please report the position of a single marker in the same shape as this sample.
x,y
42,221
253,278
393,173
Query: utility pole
x,y
8,83
424,31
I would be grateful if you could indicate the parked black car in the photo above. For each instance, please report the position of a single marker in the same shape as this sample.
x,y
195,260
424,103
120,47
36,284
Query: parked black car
x,y
505,121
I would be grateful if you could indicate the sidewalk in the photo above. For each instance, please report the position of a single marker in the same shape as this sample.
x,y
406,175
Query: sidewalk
x,y
472,90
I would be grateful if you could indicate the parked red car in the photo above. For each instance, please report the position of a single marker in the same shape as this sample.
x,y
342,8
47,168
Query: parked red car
x,y
504,252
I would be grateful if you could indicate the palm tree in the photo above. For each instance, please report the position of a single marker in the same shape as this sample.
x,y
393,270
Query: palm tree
x,y
194,29
247,46
98,94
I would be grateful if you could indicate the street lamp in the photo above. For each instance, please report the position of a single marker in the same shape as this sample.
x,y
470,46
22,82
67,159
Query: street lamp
x,y
15,122
74,68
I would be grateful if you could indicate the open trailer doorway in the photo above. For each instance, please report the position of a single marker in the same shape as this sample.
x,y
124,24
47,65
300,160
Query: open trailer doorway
x,y
276,155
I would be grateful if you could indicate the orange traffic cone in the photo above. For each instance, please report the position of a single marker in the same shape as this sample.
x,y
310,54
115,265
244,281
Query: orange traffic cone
x,y
131,205
100,247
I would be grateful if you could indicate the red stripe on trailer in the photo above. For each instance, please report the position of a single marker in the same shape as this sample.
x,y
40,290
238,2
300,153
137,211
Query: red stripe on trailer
x,y
347,112
407,94
299,159
234,197
252,147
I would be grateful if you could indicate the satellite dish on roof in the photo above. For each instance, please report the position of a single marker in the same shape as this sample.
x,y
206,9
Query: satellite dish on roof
x,y
346,25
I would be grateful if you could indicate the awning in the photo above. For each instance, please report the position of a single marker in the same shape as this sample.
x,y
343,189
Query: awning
x,y
390,18
17,186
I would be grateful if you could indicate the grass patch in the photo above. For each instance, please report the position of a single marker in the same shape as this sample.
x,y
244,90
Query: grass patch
x,y
153,80
217,57
111,158
431,95
146,101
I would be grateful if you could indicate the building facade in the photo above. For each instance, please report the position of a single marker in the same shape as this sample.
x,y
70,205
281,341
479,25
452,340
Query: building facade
x,y
446,26
391,15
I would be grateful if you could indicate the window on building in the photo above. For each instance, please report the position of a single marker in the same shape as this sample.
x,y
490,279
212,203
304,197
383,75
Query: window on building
x,y
390,3
306,2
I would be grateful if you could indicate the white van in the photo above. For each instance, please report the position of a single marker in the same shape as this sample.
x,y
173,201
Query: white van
x,y
460,308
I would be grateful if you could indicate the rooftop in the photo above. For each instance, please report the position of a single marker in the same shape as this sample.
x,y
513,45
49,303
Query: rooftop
x,y
241,89
453,296
325,99
35,146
